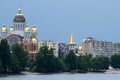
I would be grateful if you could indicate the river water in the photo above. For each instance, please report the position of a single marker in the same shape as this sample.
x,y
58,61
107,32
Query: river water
x,y
89,76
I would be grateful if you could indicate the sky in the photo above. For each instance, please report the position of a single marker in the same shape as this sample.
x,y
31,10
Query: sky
x,y
57,19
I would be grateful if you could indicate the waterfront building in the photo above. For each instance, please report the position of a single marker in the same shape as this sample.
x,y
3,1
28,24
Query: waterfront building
x,y
50,44
20,33
99,48
63,49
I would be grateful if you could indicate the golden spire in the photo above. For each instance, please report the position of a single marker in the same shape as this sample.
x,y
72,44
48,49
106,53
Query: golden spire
x,y
19,12
72,39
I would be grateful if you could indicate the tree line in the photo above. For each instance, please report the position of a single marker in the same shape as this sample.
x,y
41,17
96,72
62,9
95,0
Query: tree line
x,y
12,60
16,60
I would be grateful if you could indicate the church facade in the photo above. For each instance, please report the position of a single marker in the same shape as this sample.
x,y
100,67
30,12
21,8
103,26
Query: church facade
x,y
21,33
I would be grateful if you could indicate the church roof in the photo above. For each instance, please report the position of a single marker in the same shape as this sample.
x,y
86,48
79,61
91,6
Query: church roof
x,y
21,33
27,29
72,39
19,18
34,29
4,29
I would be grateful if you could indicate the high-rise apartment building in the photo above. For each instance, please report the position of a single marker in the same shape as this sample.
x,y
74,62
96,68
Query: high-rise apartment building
x,y
99,48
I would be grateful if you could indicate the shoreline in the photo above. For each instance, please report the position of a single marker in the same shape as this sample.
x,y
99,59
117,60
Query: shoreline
x,y
35,73
112,71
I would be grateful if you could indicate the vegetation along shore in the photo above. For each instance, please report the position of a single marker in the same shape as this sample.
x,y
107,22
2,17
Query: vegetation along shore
x,y
15,60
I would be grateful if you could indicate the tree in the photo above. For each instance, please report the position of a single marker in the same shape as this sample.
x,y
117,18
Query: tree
x,y
115,61
100,63
15,66
105,63
21,55
30,64
40,62
5,55
87,57
95,64
82,64
71,61
46,62
1,67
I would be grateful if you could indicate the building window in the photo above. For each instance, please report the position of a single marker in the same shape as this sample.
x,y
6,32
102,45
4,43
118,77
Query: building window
x,y
26,47
34,47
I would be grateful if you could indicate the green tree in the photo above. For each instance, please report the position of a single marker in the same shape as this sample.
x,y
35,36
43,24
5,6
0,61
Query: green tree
x,y
82,64
95,64
60,65
40,62
1,67
86,58
5,55
100,63
46,62
71,61
115,61
21,55
30,64
15,66
105,63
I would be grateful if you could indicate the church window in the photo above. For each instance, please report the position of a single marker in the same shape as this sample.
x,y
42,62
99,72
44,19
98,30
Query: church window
x,y
34,47
26,47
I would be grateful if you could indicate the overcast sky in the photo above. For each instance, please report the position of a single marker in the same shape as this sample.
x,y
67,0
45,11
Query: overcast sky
x,y
57,19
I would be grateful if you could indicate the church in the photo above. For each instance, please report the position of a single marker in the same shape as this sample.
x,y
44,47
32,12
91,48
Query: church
x,y
21,33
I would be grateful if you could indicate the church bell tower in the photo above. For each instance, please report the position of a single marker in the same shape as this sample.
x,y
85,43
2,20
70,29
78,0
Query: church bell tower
x,y
72,43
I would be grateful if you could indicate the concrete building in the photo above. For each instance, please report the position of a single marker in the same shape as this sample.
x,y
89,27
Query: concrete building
x,y
63,49
99,48
50,44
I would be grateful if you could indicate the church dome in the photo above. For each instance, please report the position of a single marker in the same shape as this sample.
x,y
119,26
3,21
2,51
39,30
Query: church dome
x,y
27,29
34,40
11,29
19,18
80,48
34,29
4,29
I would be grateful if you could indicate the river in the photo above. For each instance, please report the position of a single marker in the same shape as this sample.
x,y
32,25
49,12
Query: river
x,y
65,76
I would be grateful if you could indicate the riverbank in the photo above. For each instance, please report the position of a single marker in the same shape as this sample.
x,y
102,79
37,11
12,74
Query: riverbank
x,y
28,73
112,71
64,76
